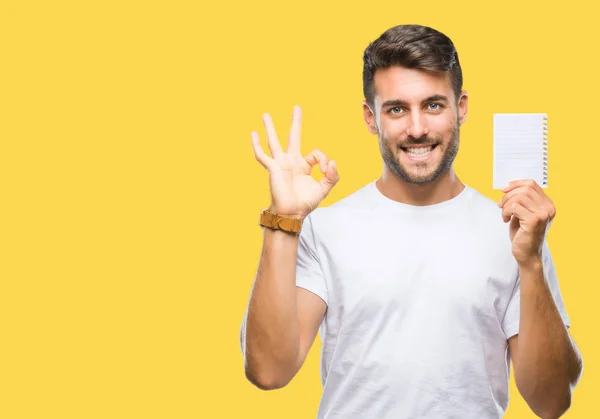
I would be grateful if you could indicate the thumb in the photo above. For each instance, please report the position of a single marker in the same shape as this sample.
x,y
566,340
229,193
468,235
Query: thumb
x,y
331,176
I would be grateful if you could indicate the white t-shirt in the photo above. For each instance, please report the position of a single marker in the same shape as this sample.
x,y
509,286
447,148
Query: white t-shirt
x,y
420,303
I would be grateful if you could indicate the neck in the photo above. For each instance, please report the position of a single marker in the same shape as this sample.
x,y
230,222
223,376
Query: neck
x,y
445,187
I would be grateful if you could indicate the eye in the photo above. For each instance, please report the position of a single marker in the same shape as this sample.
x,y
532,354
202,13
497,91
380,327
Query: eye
x,y
395,110
436,106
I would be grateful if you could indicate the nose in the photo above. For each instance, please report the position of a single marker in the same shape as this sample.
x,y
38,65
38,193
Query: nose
x,y
417,127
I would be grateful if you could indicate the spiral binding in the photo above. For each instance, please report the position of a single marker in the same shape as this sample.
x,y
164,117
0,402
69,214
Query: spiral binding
x,y
545,150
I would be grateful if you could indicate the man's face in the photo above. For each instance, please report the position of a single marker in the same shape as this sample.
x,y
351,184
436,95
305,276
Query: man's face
x,y
417,121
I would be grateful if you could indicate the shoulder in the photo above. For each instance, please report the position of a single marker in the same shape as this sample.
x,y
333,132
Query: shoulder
x,y
485,213
482,203
336,219
357,202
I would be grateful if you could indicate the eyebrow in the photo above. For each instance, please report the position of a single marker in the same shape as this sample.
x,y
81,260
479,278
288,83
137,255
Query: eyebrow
x,y
398,102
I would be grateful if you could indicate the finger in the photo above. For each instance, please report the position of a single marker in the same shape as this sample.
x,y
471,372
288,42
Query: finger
x,y
294,138
516,209
272,139
521,182
317,156
525,201
538,203
544,205
331,177
513,192
260,155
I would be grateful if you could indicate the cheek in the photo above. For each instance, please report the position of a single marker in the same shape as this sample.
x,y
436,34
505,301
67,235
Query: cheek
x,y
443,127
385,135
393,128
442,124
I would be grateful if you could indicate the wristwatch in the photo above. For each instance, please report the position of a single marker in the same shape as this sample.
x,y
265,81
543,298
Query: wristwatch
x,y
280,222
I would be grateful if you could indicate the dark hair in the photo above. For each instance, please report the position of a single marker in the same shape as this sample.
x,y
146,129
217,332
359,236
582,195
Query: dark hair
x,y
415,47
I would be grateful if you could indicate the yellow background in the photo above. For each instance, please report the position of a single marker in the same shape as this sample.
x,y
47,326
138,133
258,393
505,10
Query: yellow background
x,y
130,194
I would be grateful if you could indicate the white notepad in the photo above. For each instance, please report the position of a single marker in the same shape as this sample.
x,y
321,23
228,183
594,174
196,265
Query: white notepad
x,y
520,148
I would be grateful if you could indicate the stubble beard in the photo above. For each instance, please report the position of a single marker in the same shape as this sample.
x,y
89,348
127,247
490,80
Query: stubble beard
x,y
421,176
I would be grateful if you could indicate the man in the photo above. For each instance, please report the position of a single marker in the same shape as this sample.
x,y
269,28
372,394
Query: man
x,y
423,289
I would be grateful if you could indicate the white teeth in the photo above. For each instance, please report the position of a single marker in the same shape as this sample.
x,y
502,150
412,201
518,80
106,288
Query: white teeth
x,y
417,152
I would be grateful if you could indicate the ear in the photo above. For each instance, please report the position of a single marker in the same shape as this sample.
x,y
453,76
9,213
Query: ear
x,y
463,107
369,118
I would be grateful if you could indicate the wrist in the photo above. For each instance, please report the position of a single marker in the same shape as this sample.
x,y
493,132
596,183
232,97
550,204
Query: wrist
x,y
533,265
286,214
291,224
279,234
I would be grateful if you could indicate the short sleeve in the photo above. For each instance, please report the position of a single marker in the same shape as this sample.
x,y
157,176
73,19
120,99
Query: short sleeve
x,y
309,273
510,323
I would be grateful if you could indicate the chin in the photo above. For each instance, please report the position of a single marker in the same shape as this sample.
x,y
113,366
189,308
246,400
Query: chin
x,y
415,178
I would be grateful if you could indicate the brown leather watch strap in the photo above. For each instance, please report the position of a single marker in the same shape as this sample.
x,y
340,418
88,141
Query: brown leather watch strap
x,y
280,222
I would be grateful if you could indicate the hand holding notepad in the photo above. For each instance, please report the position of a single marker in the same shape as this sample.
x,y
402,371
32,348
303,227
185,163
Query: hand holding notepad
x,y
520,148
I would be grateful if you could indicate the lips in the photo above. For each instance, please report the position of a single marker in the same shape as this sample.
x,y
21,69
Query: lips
x,y
418,146
420,152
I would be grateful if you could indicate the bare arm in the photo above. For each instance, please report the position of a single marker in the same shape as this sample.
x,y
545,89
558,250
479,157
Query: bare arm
x,y
282,320
547,363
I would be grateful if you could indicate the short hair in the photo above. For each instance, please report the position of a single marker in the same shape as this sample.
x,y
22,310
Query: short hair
x,y
411,46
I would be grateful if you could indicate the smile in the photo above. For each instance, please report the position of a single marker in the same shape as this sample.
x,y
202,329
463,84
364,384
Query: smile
x,y
418,153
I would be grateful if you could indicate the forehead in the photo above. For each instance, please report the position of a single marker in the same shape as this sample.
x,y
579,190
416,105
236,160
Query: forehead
x,y
410,84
